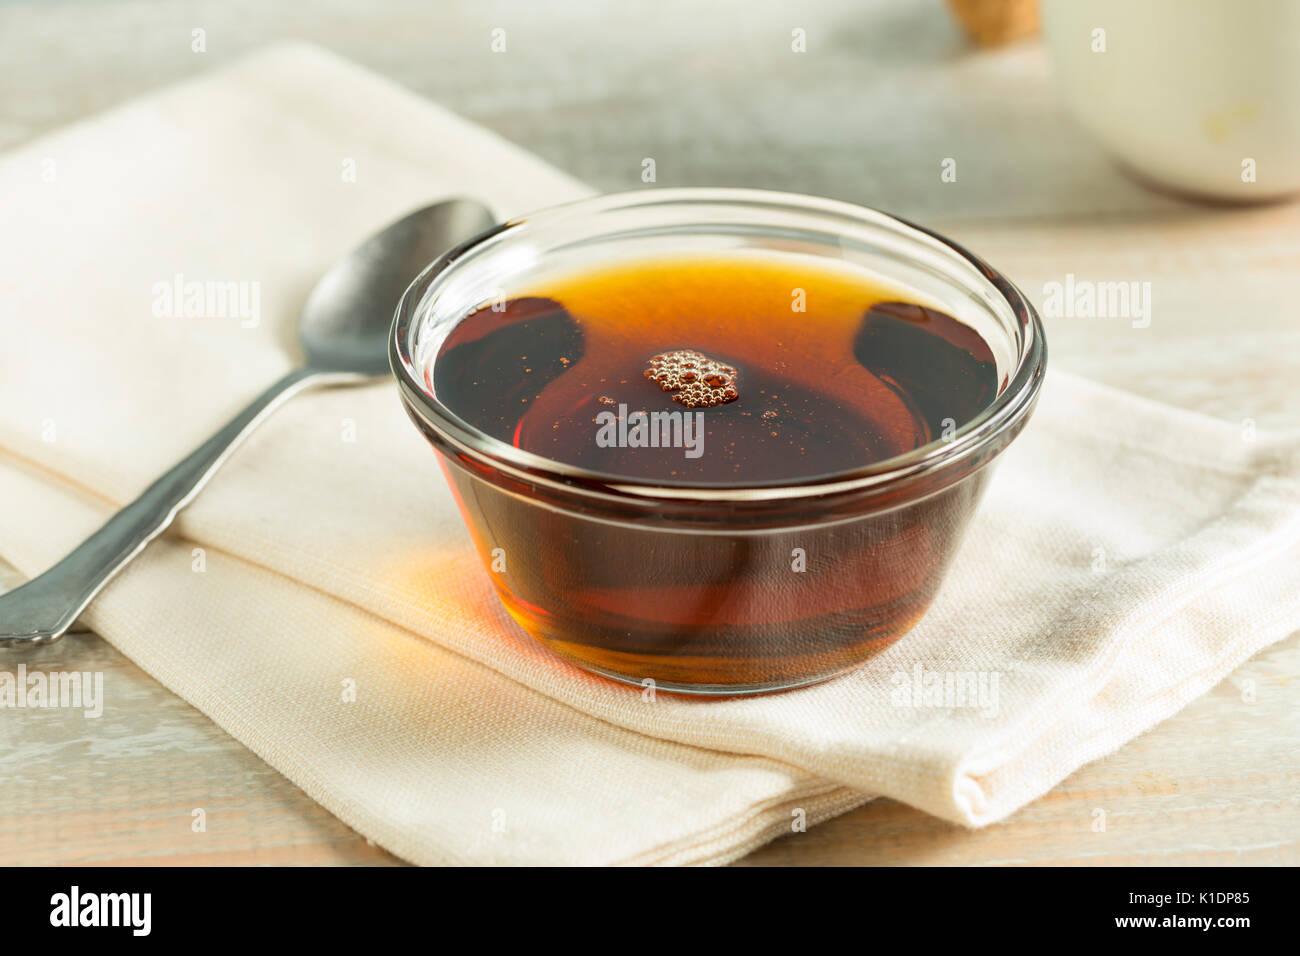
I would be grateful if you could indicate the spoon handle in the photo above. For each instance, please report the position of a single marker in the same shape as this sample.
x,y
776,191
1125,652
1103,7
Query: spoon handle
x,y
41,610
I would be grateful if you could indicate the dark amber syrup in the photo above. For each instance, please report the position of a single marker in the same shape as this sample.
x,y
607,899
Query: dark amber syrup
x,y
793,373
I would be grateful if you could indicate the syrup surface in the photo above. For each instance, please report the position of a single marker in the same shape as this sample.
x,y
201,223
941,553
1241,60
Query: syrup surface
x,y
794,371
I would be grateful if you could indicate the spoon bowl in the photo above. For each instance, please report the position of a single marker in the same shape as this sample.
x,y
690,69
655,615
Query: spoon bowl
x,y
345,322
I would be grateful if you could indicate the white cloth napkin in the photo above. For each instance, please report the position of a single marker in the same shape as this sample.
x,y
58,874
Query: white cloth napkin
x,y
321,600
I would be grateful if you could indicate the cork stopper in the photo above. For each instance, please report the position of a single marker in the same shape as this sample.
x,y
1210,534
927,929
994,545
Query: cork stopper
x,y
996,22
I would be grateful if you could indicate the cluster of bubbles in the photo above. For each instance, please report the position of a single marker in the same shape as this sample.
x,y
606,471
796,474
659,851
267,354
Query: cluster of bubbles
x,y
698,380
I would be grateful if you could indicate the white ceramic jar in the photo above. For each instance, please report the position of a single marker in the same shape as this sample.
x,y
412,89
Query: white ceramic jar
x,y
1200,96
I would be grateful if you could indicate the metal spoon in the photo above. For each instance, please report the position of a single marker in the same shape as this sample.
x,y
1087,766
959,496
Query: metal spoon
x,y
343,330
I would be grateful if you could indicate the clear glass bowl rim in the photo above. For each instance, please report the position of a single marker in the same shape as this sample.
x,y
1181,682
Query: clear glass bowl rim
x,y
1005,414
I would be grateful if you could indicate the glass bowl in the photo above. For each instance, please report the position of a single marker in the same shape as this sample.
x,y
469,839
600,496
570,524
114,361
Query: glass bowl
x,y
692,588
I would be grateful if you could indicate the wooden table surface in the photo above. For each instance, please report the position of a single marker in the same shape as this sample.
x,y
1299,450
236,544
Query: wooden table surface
x,y
884,93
